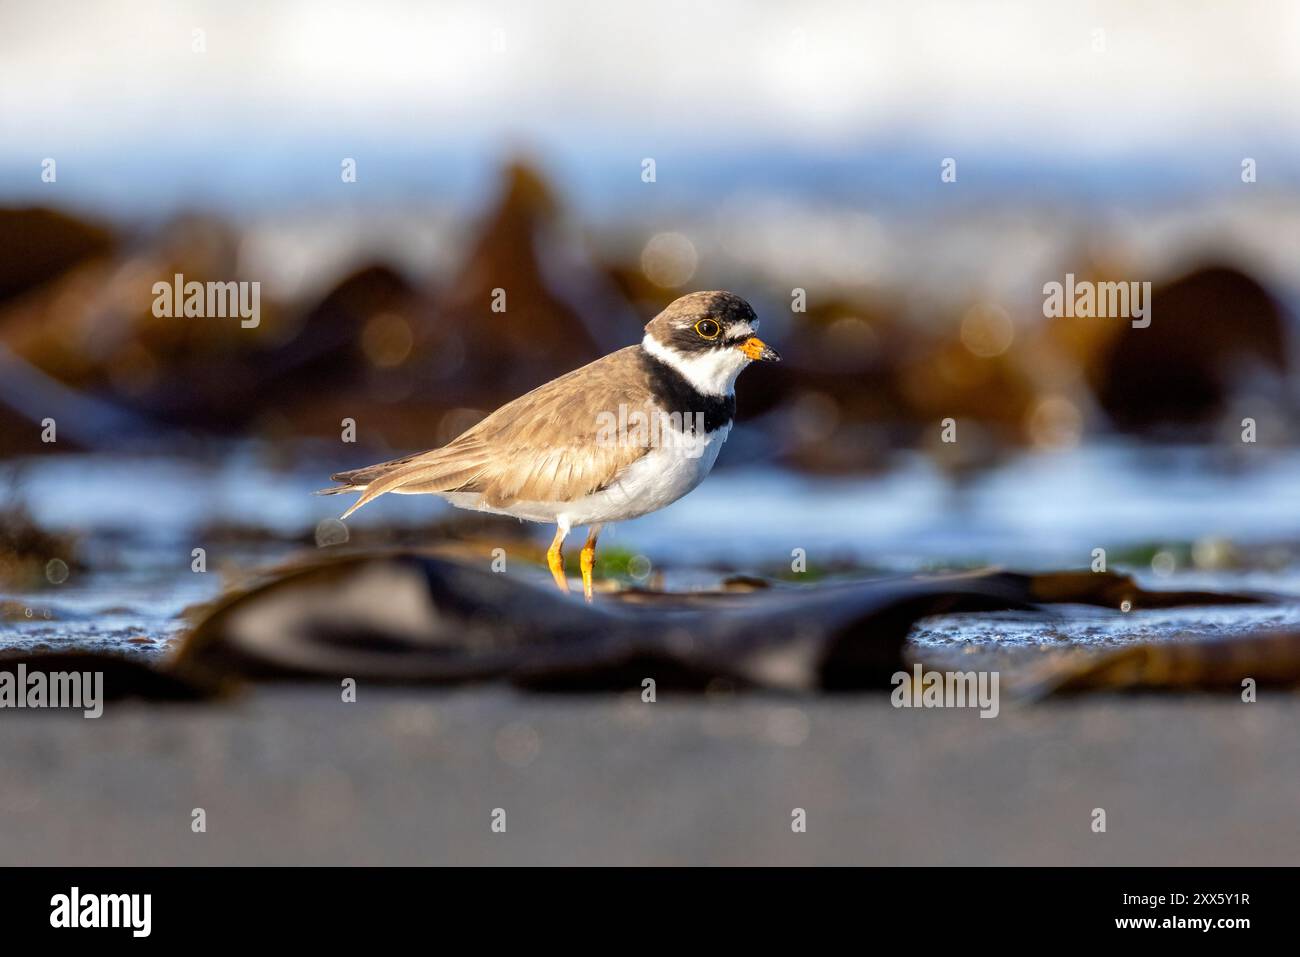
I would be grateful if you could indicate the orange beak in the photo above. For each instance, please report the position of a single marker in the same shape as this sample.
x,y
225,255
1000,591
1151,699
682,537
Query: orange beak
x,y
755,349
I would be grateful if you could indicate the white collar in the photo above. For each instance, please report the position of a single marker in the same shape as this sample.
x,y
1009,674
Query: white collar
x,y
711,373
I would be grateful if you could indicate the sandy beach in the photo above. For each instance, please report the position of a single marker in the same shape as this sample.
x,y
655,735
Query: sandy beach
x,y
294,776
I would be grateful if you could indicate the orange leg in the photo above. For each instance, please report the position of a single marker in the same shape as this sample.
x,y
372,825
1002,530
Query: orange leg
x,y
555,559
587,560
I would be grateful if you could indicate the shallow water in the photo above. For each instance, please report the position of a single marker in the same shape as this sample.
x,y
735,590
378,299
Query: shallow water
x,y
139,517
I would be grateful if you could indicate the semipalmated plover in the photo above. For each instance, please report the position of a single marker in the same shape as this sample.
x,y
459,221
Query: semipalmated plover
x,y
616,439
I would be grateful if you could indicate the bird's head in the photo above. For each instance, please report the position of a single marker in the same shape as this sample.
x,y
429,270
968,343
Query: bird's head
x,y
709,337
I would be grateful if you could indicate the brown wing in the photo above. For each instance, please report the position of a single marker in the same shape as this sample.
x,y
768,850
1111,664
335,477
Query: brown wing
x,y
550,445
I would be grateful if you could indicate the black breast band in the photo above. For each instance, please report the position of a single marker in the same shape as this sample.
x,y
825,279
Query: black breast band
x,y
675,394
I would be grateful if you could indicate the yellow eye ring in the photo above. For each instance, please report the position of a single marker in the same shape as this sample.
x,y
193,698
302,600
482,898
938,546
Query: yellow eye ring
x,y
708,329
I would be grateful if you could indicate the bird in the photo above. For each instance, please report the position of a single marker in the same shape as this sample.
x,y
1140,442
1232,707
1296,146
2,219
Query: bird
x,y
618,438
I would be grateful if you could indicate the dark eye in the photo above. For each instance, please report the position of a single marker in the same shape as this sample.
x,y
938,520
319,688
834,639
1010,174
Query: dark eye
x,y
708,329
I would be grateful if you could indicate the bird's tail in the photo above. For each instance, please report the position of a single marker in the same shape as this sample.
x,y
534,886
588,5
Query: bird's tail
x,y
418,477
386,483
360,480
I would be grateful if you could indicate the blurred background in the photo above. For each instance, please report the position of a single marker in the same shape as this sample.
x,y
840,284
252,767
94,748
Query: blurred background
x,y
596,161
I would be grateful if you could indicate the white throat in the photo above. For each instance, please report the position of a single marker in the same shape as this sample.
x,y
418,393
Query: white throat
x,y
713,373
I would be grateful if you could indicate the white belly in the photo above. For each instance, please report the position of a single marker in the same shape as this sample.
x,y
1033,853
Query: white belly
x,y
658,478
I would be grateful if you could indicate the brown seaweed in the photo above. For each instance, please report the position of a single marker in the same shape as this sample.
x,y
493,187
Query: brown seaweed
x,y
1205,664
418,618
26,548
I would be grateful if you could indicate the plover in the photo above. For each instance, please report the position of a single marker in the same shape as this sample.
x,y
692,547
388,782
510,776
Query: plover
x,y
621,437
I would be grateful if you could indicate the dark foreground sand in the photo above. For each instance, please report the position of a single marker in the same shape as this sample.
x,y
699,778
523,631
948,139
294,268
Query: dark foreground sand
x,y
292,775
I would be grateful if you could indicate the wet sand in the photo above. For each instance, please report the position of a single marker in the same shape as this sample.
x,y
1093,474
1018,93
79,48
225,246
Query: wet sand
x,y
293,775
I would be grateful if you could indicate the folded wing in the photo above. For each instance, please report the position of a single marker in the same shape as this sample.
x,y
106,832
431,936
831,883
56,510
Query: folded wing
x,y
553,444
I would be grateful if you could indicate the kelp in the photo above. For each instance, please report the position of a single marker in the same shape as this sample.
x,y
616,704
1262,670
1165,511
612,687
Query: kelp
x,y
1270,659
407,617
416,618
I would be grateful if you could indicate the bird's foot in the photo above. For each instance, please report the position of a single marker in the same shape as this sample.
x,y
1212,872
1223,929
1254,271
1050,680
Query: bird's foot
x,y
587,561
555,562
